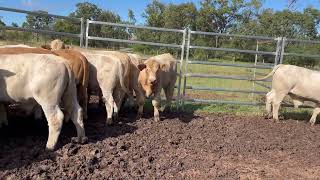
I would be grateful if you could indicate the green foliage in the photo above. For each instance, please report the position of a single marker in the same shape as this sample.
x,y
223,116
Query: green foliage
x,y
1,22
39,22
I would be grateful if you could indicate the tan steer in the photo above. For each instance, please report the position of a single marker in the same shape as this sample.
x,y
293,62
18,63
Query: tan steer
x,y
299,83
157,73
43,79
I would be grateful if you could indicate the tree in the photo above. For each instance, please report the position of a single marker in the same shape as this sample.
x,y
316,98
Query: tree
x,y
154,14
221,15
39,21
1,22
14,24
86,10
178,16
131,17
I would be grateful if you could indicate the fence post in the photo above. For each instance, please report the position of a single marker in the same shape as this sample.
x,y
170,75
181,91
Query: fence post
x,y
278,51
283,44
186,66
255,69
183,44
87,33
81,32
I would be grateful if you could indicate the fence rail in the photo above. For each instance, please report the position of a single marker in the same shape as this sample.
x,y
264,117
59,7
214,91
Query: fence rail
x,y
43,31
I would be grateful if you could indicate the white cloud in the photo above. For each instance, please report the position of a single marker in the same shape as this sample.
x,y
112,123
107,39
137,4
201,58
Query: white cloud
x,y
28,3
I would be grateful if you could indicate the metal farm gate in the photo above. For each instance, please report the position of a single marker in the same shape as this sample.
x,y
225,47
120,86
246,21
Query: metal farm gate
x,y
207,72
198,73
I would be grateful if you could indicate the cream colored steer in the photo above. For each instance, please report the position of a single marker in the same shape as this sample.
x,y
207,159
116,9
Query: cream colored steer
x,y
44,79
109,73
299,83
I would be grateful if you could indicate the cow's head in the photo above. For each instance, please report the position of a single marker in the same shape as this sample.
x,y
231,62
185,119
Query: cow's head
x,y
149,76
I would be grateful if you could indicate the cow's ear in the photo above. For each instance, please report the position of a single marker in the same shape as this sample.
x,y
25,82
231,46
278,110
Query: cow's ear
x,y
141,66
165,67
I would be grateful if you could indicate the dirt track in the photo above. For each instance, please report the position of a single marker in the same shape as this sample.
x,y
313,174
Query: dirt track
x,y
180,147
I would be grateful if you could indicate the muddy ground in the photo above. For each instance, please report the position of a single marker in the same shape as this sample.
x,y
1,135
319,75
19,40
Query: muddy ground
x,y
182,146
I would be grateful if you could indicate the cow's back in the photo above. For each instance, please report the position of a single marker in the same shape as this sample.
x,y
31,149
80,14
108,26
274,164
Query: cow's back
x,y
21,78
24,50
78,64
298,81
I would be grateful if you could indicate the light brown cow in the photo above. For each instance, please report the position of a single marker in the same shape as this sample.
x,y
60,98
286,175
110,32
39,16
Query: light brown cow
x,y
109,74
77,62
299,83
80,68
157,73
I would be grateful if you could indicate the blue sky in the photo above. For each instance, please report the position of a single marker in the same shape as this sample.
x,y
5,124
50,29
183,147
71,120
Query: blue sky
x,y
64,7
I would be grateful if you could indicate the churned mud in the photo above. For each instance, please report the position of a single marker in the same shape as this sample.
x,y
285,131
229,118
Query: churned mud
x,y
182,146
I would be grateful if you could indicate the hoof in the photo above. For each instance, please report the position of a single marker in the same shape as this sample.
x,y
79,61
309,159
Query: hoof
x,y
267,116
50,148
156,119
312,123
139,116
109,122
78,140
115,116
276,120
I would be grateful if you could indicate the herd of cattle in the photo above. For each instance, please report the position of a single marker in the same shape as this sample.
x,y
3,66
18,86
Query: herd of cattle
x,y
50,77
55,76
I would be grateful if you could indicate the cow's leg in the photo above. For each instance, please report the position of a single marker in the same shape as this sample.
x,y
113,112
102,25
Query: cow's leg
x,y
169,94
75,112
55,119
156,107
37,112
269,99
3,115
109,103
77,119
83,100
296,101
278,97
118,95
101,98
140,102
313,119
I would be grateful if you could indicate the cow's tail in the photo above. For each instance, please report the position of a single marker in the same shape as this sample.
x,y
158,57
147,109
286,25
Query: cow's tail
x,y
85,78
268,75
123,73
